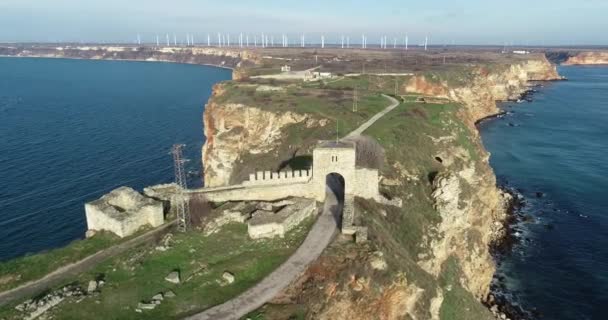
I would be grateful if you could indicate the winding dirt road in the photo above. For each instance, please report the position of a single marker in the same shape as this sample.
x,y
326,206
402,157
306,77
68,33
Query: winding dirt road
x,y
372,120
320,236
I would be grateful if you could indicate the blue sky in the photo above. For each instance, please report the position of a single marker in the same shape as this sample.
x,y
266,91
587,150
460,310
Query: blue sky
x,y
446,21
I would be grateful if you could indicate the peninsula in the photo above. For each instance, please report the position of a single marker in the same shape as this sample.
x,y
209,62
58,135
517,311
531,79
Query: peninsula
x,y
339,184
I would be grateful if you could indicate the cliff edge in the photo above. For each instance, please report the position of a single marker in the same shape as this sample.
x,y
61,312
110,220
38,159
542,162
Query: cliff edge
x,y
588,58
427,260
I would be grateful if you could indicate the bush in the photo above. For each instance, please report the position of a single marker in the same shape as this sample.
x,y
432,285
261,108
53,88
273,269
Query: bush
x,y
200,208
370,153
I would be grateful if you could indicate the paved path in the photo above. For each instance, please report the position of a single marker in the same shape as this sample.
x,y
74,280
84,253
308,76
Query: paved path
x,y
73,269
368,123
319,237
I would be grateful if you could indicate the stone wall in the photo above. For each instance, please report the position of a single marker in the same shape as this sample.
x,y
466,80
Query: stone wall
x,y
282,177
365,184
257,193
123,211
334,157
267,224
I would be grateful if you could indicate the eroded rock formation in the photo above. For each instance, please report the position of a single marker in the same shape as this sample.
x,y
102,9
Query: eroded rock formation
x,y
589,58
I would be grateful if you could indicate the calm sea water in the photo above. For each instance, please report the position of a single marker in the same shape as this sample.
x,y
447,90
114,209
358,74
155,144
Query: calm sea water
x,y
72,130
558,145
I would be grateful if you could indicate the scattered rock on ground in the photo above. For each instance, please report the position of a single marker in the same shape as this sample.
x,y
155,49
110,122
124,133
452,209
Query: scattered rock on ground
x,y
146,306
92,286
228,277
173,277
377,261
169,294
158,297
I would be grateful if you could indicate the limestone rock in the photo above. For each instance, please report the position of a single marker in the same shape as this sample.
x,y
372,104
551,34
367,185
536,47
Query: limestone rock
x,y
158,297
146,306
377,261
92,286
228,277
169,294
173,277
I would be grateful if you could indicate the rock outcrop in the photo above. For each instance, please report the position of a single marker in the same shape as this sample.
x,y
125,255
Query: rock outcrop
x,y
464,194
480,93
588,58
221,57
233,130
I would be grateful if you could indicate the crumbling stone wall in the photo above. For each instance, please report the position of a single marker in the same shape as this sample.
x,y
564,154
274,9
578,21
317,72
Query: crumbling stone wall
x,y
123,211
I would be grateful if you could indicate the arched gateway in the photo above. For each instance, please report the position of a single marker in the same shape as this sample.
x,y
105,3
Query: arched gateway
x,y
340,157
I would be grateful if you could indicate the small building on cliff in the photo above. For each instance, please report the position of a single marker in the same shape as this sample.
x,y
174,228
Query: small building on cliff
x,y
123,211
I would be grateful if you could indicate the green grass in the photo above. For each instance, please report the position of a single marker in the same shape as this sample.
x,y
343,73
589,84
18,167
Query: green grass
x,y
21,270
334,107
139,274
458,303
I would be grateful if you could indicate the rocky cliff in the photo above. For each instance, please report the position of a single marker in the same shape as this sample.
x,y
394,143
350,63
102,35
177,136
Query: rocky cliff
x,y
484,85
229,58
429,259
235,131
590,58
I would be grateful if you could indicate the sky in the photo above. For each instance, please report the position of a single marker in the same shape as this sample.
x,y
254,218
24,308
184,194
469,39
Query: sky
x,y
533,22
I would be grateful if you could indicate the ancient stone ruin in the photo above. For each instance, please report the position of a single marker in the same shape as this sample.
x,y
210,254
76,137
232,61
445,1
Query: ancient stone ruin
x,y
269,224
123,211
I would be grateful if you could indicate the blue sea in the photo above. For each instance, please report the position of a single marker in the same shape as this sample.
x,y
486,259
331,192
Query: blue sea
x,y
72,130
554,152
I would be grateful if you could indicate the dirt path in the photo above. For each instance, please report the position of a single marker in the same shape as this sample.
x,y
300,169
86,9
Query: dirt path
x,y
72,270
372,120
319,237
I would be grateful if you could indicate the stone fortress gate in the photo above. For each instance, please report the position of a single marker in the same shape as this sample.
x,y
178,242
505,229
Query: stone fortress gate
x,y
334,165
329,158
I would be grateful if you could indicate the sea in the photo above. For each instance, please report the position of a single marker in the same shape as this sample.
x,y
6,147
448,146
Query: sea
x,y
73,130
553,153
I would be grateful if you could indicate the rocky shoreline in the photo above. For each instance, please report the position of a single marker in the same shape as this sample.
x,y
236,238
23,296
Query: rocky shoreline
x,y
500,300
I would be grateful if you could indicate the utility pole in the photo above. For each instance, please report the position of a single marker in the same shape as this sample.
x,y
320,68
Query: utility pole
x,y
355,100
396,86
180,198
337,131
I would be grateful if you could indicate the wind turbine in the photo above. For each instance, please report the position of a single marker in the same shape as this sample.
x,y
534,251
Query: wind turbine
x,y
406,40
208,40
168,43
174,39
323,41
426,42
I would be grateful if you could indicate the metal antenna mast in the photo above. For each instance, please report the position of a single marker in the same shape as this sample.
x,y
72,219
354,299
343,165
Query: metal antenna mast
x,y
182,205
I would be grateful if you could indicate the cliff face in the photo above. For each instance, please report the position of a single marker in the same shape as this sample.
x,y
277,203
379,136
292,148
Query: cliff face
x,y
479,96
429,259
235,130
221,57
471,206
589,58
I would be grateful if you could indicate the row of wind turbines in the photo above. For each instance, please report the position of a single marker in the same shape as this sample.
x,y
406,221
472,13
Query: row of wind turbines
x,y
263,40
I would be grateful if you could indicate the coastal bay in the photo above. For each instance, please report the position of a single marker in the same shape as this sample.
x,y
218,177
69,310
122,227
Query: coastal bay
x,y
75,129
